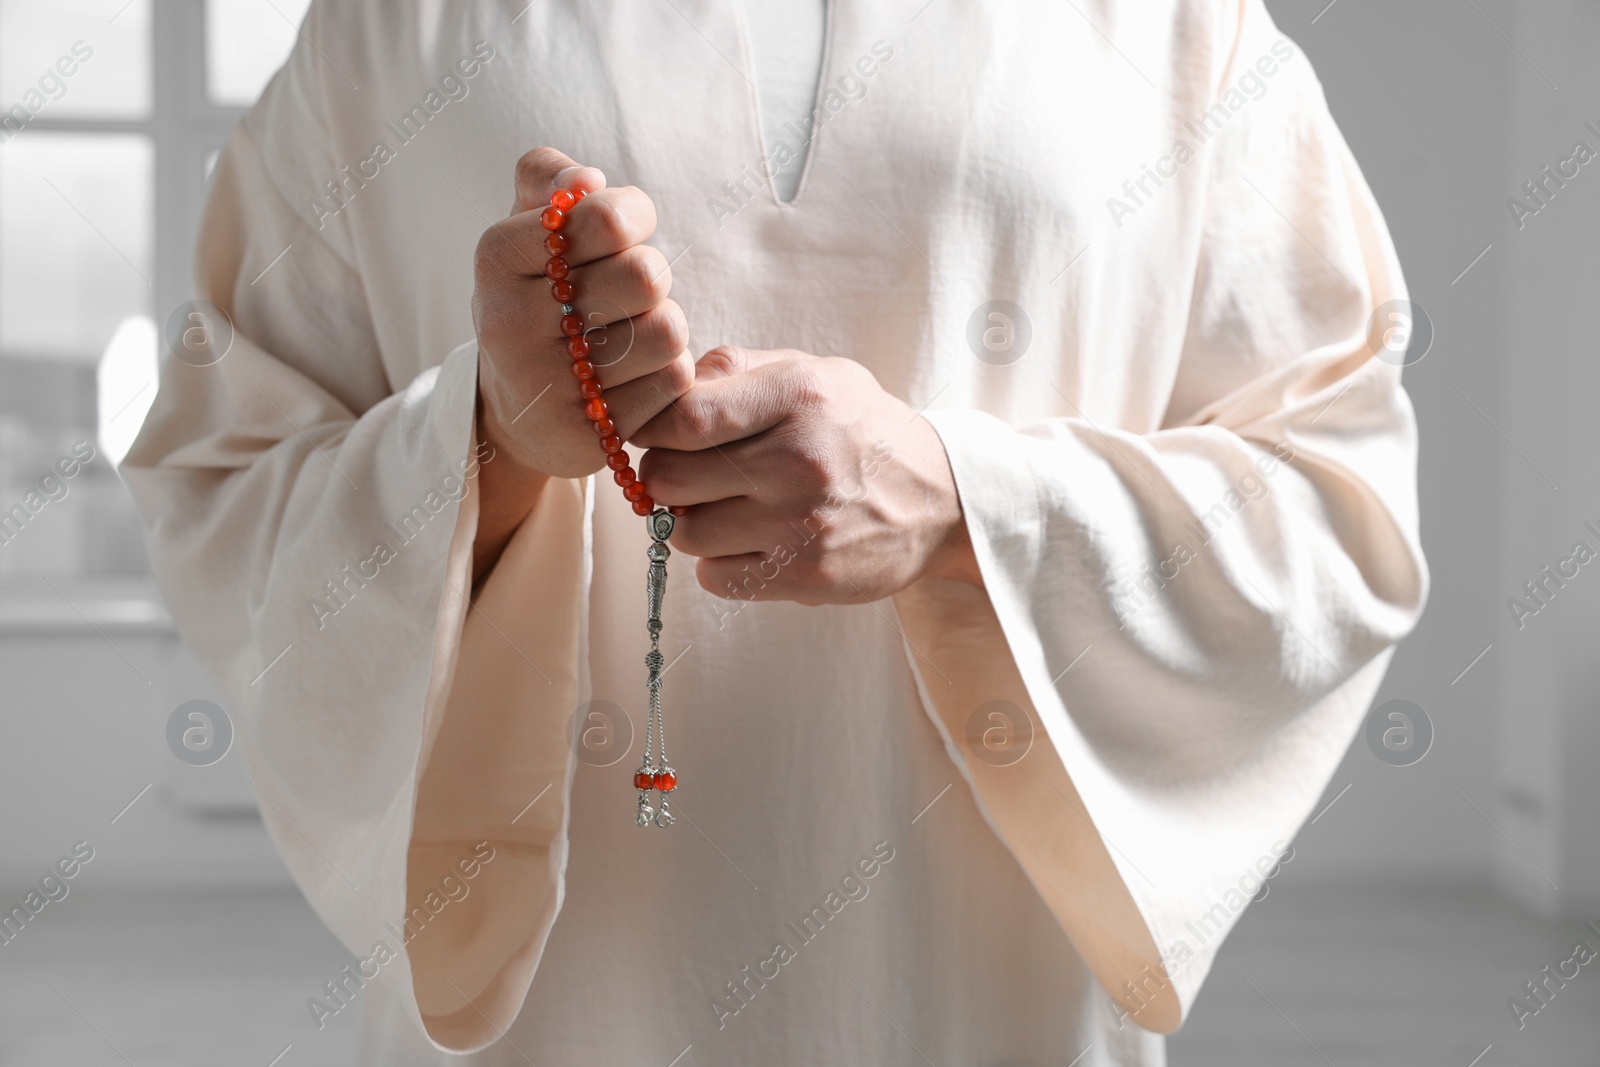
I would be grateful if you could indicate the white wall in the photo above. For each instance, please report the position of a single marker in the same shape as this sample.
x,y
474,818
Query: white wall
x,y
1422,93
85,732
1448,119
1548,736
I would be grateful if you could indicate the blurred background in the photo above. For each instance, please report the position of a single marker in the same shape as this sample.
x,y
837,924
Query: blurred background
x,y
1455,857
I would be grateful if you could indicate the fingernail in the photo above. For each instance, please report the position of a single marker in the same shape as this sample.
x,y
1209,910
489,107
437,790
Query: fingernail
x,y
564,177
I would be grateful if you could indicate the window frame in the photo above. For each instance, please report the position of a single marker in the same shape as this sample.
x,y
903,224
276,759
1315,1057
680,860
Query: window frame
x,y
183,127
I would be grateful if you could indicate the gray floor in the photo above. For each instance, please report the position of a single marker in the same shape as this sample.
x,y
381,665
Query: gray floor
x,y
1314,976
178,979
1388,976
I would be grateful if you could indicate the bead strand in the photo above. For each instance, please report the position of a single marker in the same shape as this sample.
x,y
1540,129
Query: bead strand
x,y
654,773
557,270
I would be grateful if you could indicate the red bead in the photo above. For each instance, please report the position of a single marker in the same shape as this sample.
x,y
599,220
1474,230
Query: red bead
x,y
552,218
624,477
578,347
666,781
605,427
611,443
589,389
556,243
643,780
579,194
679,510
617,460
634,492
556,268
563,291
571,325
644,505
582,369
595,409
562,200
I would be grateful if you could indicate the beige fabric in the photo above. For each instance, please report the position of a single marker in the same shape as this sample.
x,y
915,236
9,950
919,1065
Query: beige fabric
x,y
1201,347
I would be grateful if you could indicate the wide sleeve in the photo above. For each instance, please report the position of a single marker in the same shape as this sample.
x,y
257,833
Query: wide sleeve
x,y
310,522
1191,621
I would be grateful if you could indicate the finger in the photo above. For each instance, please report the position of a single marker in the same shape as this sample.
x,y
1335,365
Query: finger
x,y
723,410
511,251
681,479
636,402
784,570
602,224
628,350
544,170
759,575
724,361
733,576
613,292
734,527
618,287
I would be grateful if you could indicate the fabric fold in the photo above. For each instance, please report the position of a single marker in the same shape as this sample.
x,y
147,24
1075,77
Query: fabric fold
x,y
333,524
499,768
1248,566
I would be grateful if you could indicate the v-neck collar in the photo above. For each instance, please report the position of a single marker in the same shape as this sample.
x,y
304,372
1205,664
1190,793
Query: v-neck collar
x,y
746,66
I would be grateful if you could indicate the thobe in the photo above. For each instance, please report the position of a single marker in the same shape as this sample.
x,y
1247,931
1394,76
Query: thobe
x,y
1188,478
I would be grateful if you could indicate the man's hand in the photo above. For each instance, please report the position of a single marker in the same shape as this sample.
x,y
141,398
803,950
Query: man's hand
x,y
808,482
529,409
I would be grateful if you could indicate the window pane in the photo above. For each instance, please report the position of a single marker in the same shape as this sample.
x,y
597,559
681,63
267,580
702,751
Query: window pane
x,y
75,241
246,42
74,57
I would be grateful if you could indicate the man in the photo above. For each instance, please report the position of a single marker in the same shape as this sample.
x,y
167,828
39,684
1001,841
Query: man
x,y
1054,515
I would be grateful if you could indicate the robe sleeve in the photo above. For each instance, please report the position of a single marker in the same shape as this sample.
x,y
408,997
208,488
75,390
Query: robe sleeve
x,y
311,524
1191,621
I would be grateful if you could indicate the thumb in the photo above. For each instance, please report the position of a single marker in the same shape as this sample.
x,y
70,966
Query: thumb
x,y
544,170
724,361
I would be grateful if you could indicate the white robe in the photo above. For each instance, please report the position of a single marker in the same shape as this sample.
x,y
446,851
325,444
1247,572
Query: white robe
x,y
1188,700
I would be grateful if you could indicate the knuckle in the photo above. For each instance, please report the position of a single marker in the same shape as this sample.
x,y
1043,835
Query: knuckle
x,y
809,387
693,419
669,328
679,376
811,466
527,170
535,167
642,211
725,359
609,221
649,276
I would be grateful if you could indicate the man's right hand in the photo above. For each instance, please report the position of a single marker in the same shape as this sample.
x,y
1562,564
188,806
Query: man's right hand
x,y
639,336
530,410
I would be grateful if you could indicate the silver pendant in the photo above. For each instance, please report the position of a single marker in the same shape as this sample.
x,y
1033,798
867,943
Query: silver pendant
x,y
655,775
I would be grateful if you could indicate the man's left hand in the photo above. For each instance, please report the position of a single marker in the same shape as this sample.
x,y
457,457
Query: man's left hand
x,y
805,481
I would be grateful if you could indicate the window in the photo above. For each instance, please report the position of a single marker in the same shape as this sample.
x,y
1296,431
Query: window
x,y
111,113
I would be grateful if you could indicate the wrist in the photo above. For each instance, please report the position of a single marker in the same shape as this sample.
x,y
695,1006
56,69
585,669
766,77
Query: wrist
x,y
508,489
951,554
954,557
